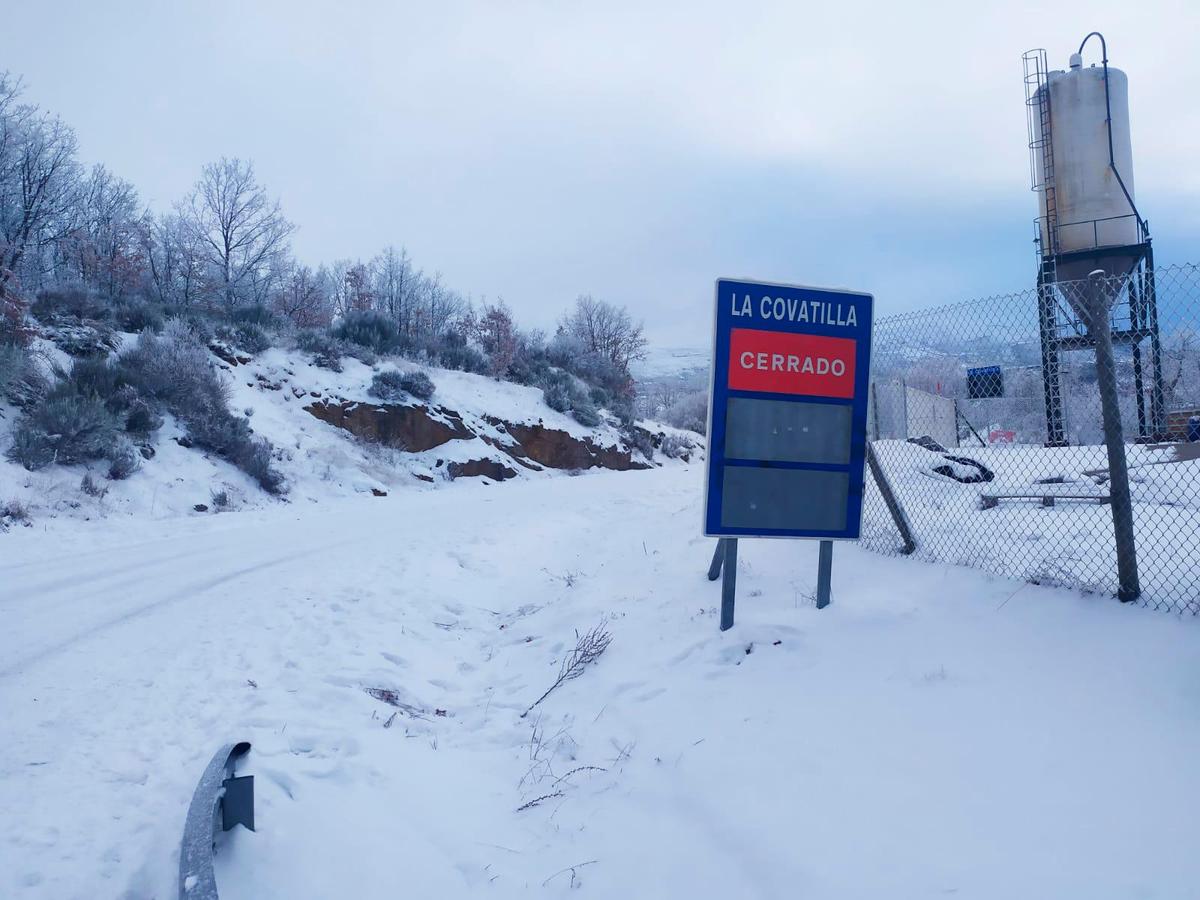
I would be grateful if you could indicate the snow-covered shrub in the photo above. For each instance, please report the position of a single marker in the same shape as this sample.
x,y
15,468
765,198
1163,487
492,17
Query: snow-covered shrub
x,y
65,428
418,384
452,351
96,376
255,457
255,314
563,392
12,365
585,414
136,317
622,408
140,417
674,446
372,330
14,511
251,338
175,370
193,321
230,437
387,386
84,339
68,302
88,486
391,385
20,379
530,368
641,440
557,396
123,461
327,350
689,412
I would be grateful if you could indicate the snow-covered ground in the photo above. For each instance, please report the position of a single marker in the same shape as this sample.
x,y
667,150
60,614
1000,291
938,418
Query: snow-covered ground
x,y
1071,543
937,732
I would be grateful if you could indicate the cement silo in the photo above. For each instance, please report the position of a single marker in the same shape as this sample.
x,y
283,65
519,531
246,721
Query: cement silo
x,y
1081,164
1092,199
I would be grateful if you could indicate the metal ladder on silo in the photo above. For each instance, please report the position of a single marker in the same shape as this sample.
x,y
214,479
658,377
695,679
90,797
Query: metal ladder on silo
x,y
1041,169
1041,151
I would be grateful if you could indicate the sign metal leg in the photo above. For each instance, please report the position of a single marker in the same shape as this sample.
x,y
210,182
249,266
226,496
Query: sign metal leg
x,y
714,568
824,573
729,582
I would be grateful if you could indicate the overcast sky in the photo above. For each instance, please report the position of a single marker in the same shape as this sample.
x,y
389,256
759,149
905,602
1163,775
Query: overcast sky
x,y
636,151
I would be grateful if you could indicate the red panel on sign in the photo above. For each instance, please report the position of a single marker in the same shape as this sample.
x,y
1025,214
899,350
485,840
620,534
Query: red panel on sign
x,y
778,362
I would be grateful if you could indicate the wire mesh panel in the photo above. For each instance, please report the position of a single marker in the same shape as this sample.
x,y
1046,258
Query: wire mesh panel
x,y
1020,483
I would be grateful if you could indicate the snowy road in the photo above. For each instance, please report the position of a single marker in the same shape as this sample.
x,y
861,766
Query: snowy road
x,y
934,733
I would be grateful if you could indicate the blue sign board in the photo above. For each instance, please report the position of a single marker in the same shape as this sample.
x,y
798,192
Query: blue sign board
x,y
985,382
787,425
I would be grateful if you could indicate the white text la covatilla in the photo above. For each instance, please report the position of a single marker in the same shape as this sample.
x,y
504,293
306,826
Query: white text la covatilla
x,y
794,309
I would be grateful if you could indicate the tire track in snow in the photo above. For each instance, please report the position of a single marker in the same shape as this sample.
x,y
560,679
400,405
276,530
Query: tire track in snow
x,y
191,590
24,591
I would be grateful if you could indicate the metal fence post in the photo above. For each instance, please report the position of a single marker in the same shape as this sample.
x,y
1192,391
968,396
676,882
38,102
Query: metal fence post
x,y
1114,439
892,502
875,410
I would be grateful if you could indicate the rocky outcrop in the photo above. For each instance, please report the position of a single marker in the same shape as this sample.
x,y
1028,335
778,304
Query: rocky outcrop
x,y
487,468
557,449
411,428
415,428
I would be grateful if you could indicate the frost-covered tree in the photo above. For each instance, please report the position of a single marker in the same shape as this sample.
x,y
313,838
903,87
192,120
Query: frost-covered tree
x,y
497,335
241,229
395,284
605,329
104,247
174,259
301,296
348,285
39,184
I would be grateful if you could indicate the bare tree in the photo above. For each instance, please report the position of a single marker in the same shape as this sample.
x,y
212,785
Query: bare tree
x,y
498,336
348,285
394,284
438,306
174,258
241,229
302,297
39,180
606,330
104,247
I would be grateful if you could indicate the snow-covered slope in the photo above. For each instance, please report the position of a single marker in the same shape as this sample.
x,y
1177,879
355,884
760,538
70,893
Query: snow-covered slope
x,y
279,392
934,733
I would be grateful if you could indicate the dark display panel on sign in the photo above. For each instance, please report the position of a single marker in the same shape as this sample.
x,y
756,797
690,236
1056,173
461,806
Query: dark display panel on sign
x,y
793,499
787,431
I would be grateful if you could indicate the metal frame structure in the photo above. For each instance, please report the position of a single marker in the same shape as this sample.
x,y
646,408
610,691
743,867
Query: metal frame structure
x,y
1134,313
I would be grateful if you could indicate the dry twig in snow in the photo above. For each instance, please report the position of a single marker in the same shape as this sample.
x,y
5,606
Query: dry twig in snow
x,y
589,647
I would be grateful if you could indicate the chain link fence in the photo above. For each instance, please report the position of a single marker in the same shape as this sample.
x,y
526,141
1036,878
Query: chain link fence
x,y
986,420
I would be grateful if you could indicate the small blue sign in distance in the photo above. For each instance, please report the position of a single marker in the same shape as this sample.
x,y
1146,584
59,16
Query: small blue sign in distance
x,y
787,424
